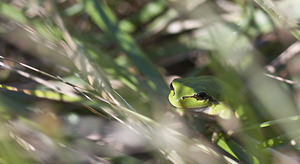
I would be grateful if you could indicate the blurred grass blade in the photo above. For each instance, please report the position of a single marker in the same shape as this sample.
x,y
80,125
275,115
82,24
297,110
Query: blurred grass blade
x,y
43,94
36,79
118,72
44,30
235,150
107,21
148,14
9,150
278,16
12,13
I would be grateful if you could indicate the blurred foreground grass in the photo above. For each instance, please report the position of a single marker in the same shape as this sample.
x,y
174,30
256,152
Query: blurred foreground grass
x,y
87,81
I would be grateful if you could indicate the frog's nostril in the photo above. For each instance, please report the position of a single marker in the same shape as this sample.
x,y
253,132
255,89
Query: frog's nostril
x,y
171,87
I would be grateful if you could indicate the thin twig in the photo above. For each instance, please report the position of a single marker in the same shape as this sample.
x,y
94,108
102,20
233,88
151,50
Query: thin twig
x,y
283,80
284,57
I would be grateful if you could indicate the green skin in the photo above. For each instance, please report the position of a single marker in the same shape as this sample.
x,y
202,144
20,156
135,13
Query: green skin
x,y
198,94
204,94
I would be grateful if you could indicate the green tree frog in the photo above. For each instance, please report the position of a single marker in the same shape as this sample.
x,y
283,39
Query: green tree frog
x,y
200,94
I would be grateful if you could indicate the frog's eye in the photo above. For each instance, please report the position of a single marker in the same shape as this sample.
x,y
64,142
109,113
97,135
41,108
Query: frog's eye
x,y
202,96
205,96
199,96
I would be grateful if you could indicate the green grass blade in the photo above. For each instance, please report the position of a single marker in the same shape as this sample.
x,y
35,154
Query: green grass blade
x,y
107,21
12,13
278,16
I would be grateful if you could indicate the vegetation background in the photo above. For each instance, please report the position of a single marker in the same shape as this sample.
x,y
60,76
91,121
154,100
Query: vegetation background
x,y
86,81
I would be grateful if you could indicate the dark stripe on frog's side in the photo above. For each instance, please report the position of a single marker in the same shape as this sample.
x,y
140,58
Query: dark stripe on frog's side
x,y
210,85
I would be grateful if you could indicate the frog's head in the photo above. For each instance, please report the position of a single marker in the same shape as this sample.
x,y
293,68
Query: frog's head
x,y
186,96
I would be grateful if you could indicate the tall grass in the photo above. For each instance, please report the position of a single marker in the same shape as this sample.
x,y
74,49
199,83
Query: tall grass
x,y
86,81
